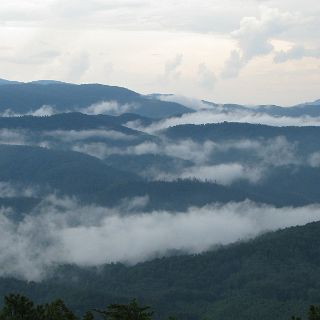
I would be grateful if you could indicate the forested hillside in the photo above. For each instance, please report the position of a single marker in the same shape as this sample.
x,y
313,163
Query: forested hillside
x,y
272,277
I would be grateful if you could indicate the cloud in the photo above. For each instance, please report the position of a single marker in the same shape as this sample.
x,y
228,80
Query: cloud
x,y
60,231
73,135
233,65
110,107
16,137
224,174
44,110
9,190
297,52
314,160
171,66
192,103
254,37
219,115
207,78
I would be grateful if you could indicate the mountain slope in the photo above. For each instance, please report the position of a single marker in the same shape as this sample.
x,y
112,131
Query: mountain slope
x,y
25,97
69,121
70,172
271,277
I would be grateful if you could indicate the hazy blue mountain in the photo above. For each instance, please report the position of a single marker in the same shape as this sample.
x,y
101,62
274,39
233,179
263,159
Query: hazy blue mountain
x,y
71,173
25,97
5,82
311,110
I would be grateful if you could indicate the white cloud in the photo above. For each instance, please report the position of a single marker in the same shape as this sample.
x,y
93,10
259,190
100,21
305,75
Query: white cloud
x,y
254,37
137,38
216,115
224,174
297,52
44,110
109,107
9,190
60,231
73,135
314,159
16,137
207,78
172,65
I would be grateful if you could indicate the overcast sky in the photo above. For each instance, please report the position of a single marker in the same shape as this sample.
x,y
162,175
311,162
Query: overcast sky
x,y
244,51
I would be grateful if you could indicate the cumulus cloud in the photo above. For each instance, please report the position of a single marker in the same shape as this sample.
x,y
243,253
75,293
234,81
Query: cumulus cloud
x,y
297,52
171,66
207,78
254,37
60,231
233,65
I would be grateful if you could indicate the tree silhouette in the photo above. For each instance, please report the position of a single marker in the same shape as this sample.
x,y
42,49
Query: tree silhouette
x,y
131,311
17,307
57,310
88,316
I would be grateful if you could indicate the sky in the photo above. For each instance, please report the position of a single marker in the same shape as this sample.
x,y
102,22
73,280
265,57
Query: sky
x,y
239,51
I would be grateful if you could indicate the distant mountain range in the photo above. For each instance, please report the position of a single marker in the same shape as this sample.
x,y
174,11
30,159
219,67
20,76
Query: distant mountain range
x,y
103,160
21,98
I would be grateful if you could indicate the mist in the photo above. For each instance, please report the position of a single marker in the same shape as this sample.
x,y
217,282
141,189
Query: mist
x,y
62,231
218,116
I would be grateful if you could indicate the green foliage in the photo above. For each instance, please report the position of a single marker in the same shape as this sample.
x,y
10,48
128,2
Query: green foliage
x,y
88,316
131,311
313,313
18,307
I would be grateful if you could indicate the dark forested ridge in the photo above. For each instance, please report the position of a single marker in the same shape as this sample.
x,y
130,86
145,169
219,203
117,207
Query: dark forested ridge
x,y
272,277
234,131
71,121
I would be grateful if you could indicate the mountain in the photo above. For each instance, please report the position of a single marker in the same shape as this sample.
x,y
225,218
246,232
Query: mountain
x,y
22,98
284,157
71,173
311,110
71,121
271,277
6,82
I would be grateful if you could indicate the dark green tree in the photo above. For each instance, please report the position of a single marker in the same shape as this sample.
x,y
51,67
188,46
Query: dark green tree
x,y
314,313
88,316
18,307
131,311
57,310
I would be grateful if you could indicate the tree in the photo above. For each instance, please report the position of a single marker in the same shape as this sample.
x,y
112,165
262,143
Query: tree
x,y
18,307
57,310
131,311
88,316
314,313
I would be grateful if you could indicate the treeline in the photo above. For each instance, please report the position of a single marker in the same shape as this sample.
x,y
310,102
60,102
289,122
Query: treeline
x,y
18,307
